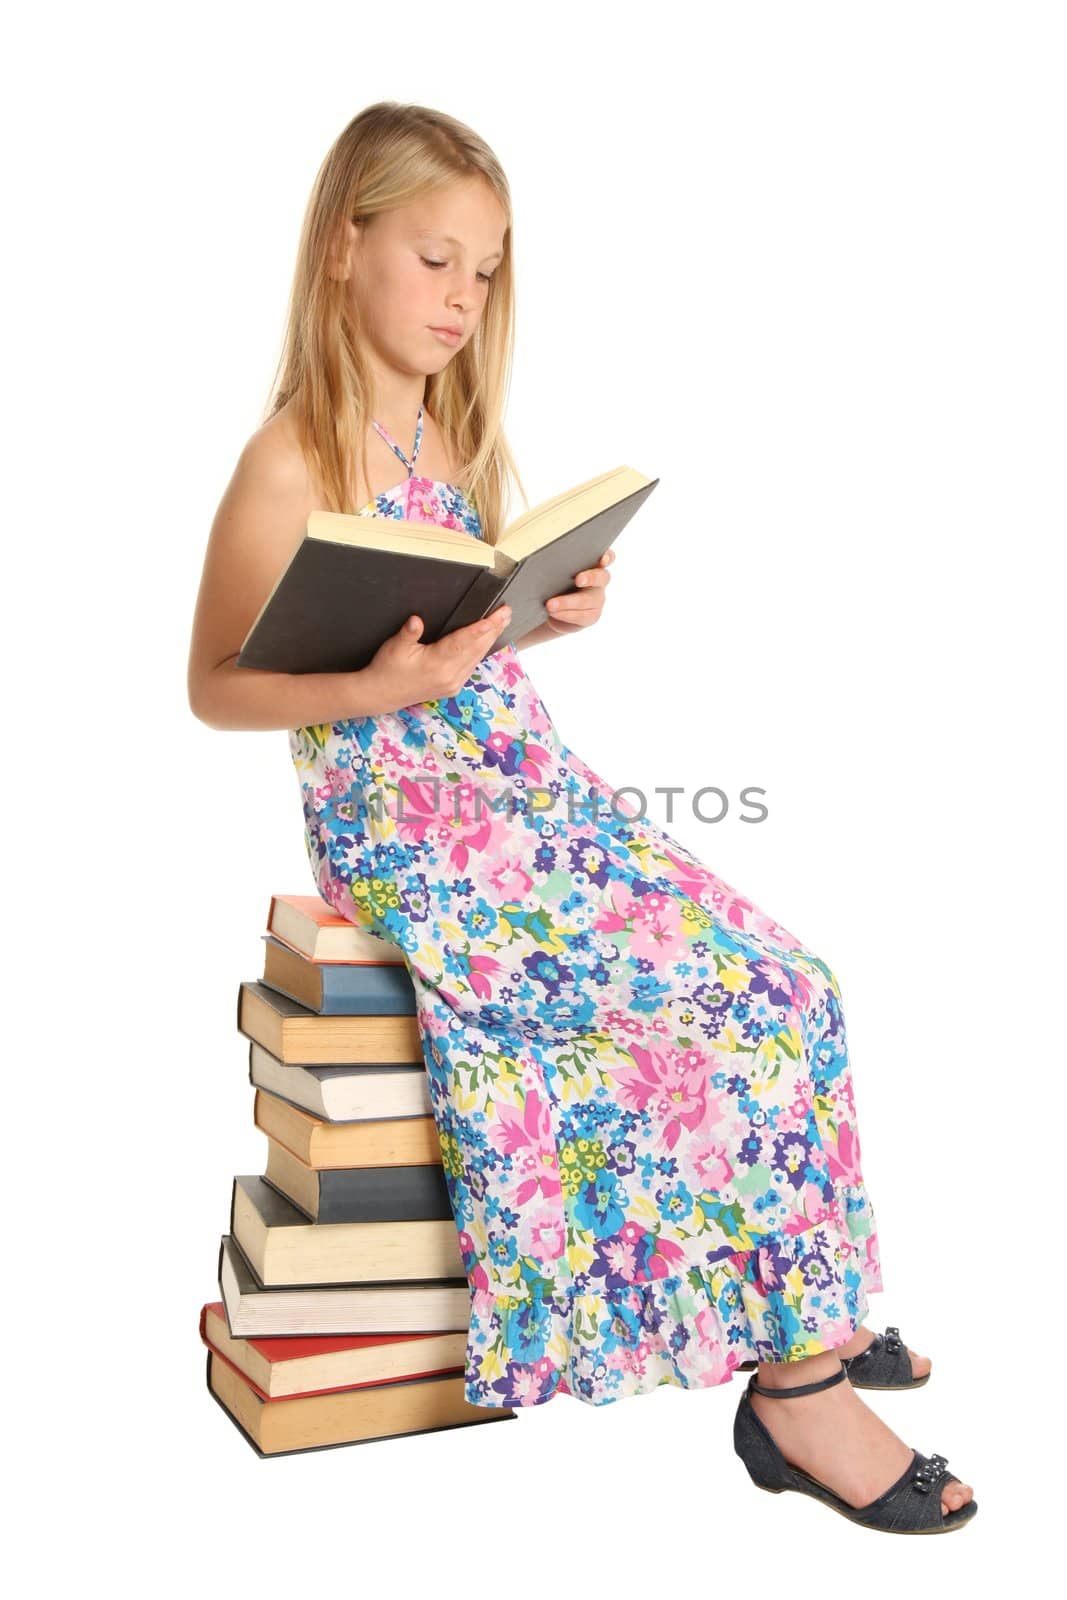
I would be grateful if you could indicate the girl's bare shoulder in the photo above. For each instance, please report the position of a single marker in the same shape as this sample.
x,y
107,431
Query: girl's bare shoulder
x,y
275,457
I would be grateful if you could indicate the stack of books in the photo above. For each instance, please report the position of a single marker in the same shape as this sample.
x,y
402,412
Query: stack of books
x,y
345,1305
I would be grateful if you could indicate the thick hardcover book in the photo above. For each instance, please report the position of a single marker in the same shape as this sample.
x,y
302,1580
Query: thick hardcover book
x,y
306,923
292,1032
353,1416
359,1194
343,1094
432,1306
381,1142
353,581
343,988
282,1247
311,1364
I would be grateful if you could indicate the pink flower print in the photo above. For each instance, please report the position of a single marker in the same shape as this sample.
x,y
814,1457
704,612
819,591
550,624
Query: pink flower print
x,y
767,1274
625,1022
707,1329
781,984
657,926
844,1158
511,754
525,1385
527,1136
709,891
711,1163
338,783
654,920
670,1084
620,1256
390,751
511,879
478,970
477,1274
535,761
547,1236
447,828
511,669
710,1341
635,1358
614,920
666,1258
423,504
691,878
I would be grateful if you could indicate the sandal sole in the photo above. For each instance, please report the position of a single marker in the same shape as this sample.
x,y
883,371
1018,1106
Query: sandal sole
x,y
948,1526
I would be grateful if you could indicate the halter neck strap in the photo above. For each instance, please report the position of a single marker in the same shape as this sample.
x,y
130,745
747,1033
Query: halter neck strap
x,y
391,442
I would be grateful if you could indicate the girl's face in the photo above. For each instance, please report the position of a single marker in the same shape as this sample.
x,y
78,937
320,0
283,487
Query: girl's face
x,y
419,274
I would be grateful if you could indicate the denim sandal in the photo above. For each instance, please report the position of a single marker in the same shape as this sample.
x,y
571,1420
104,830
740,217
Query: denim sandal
x,y
910,1505
885,1364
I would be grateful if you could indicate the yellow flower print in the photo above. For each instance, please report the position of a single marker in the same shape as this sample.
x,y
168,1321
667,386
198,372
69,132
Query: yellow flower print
x,y
451,1155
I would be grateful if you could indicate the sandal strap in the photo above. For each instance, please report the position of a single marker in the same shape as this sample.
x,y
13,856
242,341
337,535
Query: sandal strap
x,y
800,1388
886,1357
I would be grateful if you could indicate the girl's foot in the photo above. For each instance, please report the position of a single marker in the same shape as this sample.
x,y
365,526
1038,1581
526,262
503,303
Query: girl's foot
x,y
862,1337
833,1435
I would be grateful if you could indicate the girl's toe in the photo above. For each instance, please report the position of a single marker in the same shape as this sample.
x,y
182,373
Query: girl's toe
x,y
920,1365
954,1495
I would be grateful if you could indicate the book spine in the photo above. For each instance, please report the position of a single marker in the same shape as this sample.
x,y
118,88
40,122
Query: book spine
x,y
482,597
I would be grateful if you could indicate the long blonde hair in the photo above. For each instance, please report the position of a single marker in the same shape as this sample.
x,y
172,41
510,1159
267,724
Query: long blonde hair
x,y
389,155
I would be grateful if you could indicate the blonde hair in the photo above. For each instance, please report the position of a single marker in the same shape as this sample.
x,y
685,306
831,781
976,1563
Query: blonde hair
x,y
389,155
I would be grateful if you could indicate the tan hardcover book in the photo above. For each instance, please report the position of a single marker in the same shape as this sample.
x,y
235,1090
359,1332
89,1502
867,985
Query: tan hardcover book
x,y
292,1033
343,1094
283,1247
350,1416
385,1142
440,1305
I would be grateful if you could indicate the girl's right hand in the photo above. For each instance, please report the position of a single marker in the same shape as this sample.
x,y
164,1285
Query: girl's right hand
x,y
405,672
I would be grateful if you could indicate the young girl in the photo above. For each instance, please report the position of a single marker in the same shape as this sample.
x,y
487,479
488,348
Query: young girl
x,y
640,1080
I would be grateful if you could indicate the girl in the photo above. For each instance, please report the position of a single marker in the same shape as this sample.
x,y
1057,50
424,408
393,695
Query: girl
x,y
640,1080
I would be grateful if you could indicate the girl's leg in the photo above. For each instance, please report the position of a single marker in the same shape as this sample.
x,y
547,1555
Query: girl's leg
x,y
833,1435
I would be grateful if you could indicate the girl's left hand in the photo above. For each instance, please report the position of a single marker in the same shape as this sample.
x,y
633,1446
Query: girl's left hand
x,y
569,611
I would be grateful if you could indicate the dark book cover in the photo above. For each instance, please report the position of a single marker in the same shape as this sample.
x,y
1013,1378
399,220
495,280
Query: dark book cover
x,y
336,603
378,1194
546,572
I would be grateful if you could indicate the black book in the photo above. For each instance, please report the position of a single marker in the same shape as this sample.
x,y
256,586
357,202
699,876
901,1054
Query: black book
x,y
353,581
359,1194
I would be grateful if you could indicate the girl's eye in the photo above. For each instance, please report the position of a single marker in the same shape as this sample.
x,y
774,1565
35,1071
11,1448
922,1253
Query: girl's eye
x,y
485,276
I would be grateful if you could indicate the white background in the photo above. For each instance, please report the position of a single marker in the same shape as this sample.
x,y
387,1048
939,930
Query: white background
x,y
806,265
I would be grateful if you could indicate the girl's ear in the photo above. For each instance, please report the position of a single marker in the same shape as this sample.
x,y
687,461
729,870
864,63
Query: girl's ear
x,y
340,266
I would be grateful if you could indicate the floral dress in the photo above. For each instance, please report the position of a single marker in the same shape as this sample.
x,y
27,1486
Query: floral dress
x,y
640,1080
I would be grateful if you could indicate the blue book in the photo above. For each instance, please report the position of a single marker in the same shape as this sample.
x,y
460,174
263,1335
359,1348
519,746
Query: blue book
x,y
342,988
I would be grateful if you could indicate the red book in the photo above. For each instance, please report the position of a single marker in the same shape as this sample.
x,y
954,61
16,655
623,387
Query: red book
x,y
278,1368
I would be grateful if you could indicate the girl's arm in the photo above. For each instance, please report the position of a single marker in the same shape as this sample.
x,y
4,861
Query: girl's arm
x,y
537,636
260,521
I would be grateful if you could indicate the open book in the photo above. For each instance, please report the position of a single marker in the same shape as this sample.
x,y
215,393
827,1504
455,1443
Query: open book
x,y
353,581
